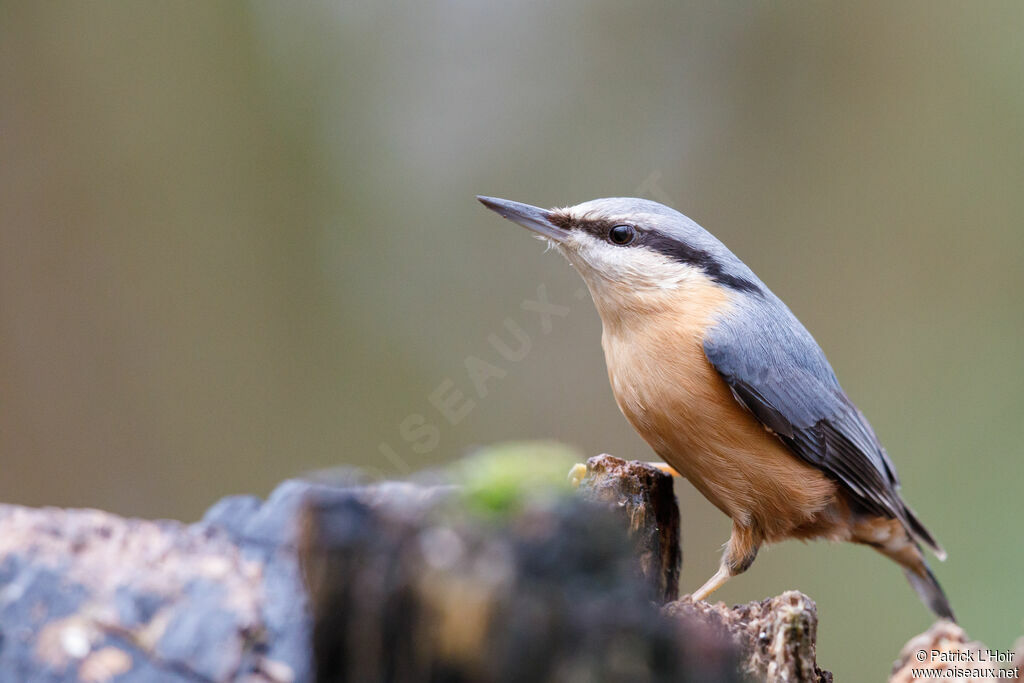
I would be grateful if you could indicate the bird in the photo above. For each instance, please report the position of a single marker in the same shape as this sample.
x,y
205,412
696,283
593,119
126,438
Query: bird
x,y
730,390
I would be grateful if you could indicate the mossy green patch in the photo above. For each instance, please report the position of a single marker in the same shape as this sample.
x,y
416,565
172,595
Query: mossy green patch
x,y
504,477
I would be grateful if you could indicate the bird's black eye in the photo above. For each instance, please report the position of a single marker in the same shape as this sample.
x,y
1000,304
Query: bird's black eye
x,y
622,234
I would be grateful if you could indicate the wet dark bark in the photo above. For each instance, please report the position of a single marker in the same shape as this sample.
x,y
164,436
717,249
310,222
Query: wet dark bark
x,y
645,496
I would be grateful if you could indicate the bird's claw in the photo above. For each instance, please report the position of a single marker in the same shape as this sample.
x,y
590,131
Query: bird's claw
x,y
666,468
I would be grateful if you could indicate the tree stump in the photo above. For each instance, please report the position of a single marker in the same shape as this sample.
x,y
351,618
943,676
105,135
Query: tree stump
x,y
484,572
777,637
646,496
89,596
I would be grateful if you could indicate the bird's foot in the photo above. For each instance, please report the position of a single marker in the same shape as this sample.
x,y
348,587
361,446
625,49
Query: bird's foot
x,y
711,585
666,468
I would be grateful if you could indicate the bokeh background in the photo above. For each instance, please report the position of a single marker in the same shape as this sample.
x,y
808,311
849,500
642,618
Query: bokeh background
x,y
239,242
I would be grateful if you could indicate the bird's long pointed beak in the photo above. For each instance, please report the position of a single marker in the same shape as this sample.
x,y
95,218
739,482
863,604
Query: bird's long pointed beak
x,y
530,217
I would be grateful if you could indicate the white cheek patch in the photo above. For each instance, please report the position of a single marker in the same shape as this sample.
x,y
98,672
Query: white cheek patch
x,y
635,267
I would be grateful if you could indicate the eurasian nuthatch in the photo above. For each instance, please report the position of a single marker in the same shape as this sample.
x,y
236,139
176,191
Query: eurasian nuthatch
x,y
728,388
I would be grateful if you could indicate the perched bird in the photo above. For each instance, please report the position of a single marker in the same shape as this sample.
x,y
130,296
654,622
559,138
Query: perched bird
x,y
729,389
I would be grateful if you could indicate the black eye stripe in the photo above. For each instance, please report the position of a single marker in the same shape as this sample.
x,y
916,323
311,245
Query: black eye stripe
x,y
663,244
683,253
598,227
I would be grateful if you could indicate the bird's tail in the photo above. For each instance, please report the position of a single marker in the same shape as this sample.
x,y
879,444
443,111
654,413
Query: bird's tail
x,y
891,538
920,574
929,590
917,530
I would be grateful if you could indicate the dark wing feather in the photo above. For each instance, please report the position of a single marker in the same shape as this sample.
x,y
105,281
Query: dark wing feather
x,y
779,374
833,441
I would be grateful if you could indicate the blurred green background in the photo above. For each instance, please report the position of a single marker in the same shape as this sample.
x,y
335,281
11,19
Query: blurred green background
x,y
239,242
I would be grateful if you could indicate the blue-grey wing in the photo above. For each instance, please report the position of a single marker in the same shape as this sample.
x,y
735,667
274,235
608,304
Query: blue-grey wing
x,y
778,372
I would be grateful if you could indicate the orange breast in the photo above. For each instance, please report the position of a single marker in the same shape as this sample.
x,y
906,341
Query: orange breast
x,y
680,405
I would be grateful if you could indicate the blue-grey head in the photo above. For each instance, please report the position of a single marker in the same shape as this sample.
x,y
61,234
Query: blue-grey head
x,y
633,249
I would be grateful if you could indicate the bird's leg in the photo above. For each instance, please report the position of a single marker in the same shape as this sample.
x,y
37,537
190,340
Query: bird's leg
x,y
711,585
738,556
